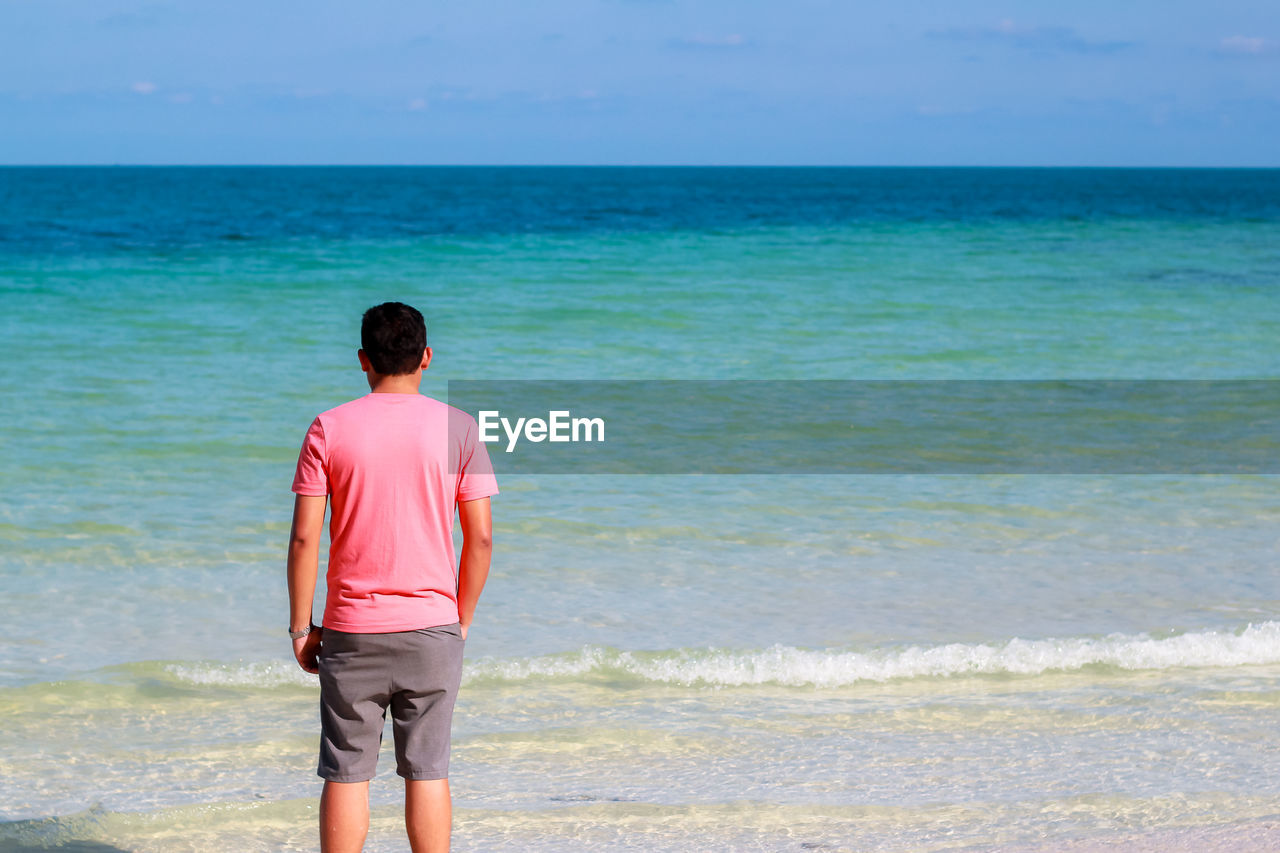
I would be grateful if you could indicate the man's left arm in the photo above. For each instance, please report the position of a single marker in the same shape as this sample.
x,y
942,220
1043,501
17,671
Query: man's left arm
x,y
303,566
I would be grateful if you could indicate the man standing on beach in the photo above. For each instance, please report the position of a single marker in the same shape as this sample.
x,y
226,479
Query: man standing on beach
x,y
395,464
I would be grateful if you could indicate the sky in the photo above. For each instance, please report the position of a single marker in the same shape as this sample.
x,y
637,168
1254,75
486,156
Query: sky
x,y
630,82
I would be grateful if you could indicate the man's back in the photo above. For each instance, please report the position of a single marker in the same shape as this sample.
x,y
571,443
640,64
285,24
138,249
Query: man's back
x,y
395,466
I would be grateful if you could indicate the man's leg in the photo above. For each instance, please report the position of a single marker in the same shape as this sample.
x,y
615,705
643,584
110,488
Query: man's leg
x,y
428,814
422,698
344,817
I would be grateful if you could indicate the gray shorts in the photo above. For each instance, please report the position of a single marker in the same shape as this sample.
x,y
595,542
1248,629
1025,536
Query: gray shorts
x,y
415,673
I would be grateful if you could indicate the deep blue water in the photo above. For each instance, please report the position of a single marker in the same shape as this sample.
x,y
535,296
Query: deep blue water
x,y
88,209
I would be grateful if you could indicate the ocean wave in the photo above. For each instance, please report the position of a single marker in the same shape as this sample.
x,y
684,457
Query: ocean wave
x,y
260,674
789,666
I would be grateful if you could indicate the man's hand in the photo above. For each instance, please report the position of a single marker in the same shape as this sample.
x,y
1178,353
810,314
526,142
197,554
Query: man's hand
x,y
307,649
464,630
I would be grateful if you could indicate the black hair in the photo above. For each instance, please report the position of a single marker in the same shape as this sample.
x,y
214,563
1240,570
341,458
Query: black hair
x,y
393,336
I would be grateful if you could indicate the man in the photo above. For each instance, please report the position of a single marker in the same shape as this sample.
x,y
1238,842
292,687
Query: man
x,y
395,464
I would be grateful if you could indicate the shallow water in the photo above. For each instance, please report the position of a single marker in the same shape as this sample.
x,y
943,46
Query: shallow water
x,y
918,662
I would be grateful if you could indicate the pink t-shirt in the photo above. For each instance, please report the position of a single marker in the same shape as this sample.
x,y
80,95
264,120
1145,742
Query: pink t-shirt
x,y
396,466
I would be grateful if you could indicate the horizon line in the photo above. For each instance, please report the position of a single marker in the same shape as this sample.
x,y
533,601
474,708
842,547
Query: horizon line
x,y
612,166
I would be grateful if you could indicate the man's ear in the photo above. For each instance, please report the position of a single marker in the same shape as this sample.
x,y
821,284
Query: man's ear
x,y
365,364
426,358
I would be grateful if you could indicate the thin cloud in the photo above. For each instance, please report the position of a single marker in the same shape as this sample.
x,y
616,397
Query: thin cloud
x,y
143,87
1044,39
1246,46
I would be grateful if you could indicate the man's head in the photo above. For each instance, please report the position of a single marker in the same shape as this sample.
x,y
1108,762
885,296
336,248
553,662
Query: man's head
x,y
393,338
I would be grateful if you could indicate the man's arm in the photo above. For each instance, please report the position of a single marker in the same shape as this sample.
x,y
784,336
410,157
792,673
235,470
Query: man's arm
x,y
477,549
303,565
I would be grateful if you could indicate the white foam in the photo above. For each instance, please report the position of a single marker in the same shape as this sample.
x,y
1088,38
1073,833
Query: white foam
x,y
260,674
785,665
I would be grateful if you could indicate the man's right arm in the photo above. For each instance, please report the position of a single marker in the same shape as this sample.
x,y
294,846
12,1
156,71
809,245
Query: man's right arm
x,y
477,549
301,569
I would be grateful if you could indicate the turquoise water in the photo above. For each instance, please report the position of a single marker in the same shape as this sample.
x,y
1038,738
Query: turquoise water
x,y
659,662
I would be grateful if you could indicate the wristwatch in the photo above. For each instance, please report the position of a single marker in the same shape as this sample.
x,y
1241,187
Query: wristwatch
x,y
293,635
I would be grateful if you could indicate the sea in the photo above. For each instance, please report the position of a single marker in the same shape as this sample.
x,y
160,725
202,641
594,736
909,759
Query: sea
x,y
666,661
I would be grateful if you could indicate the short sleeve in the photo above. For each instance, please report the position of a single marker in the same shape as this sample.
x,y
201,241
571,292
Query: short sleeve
x,y
310,478
475,471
